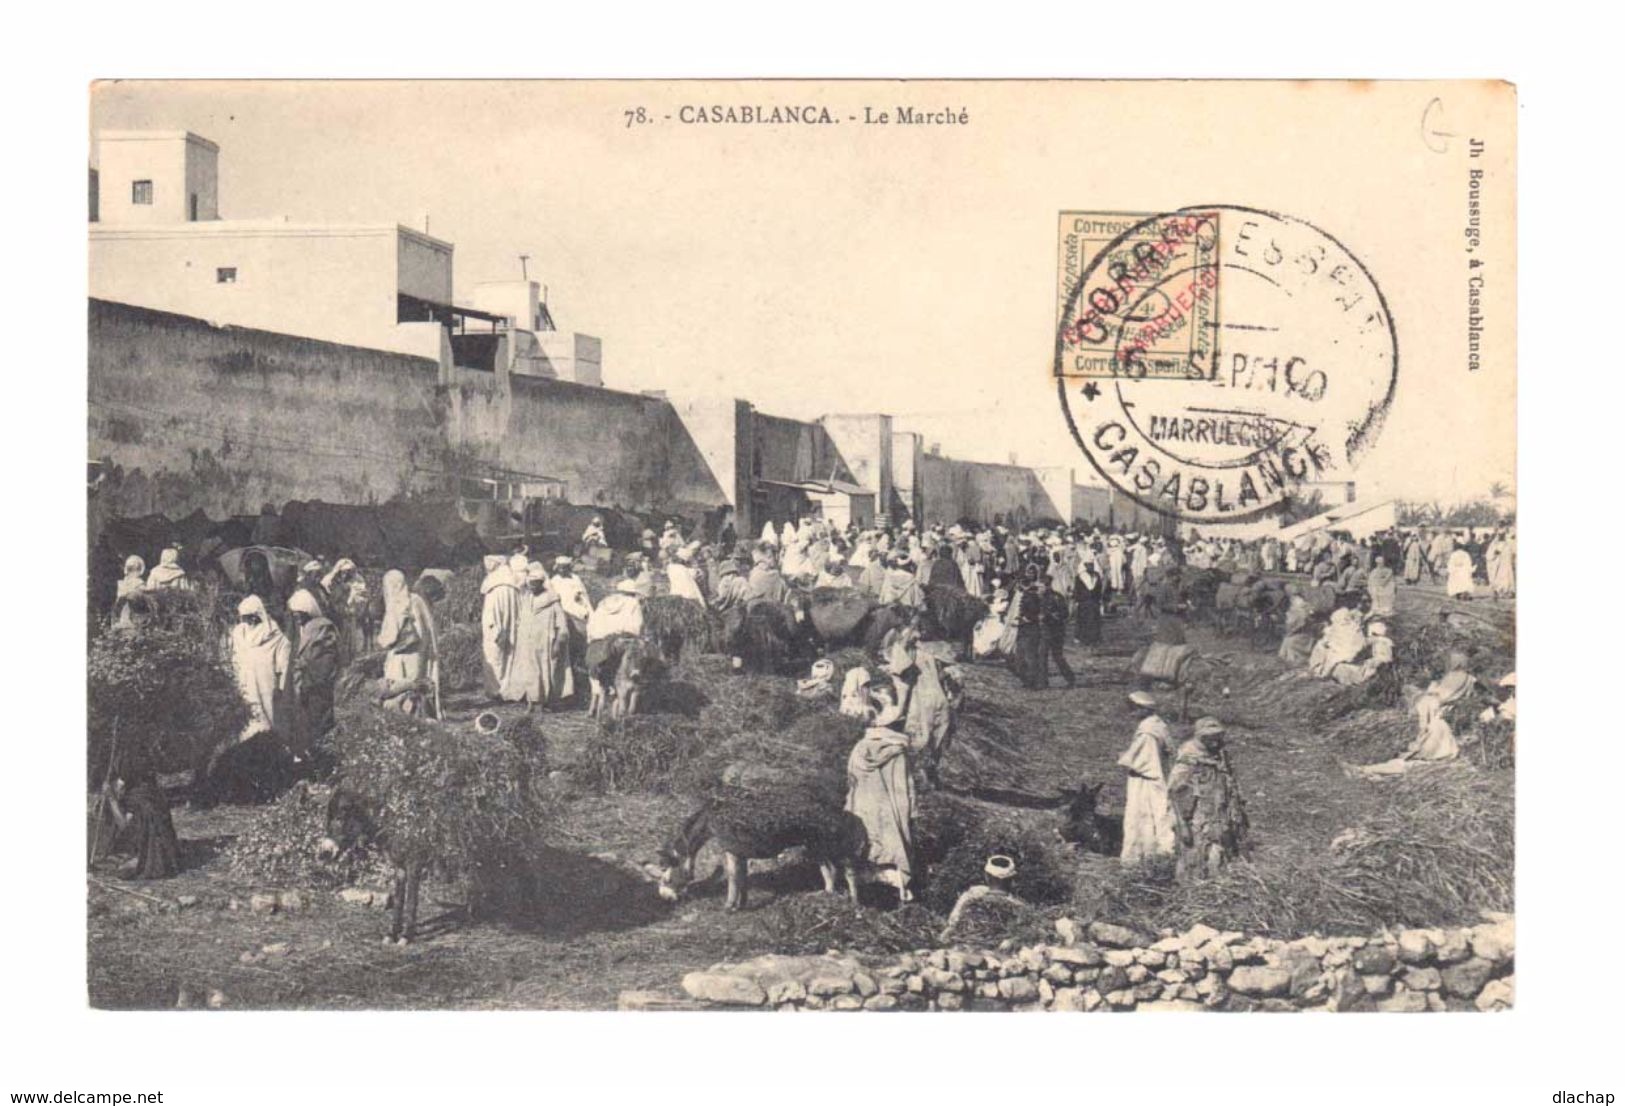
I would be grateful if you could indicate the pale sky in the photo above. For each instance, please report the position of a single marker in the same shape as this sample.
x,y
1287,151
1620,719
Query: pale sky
x,y
885,268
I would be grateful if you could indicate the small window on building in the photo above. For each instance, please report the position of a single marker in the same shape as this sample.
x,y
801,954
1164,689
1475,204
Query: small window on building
x,y
141,192
225,276
192,207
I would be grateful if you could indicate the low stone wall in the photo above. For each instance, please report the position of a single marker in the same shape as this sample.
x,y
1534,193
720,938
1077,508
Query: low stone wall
x,y
1101,966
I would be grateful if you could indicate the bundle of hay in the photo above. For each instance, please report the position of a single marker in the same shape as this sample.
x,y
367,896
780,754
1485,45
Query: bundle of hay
x,y
704,669
1201,587
706,720
1322,600
883,620
838,615
941,821
676,625
849,658
824,739
455,795
1371,736
1496,746
252,771
986,920
1424,641
1292,696
1441,852
159,699
740,702
462,657
767,637
278,847
524,732
1043,876
991,742
208,610
809,755
668,696
463,602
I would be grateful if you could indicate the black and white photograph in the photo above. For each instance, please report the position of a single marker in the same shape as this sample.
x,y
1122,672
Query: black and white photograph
x,y
602,526
650,546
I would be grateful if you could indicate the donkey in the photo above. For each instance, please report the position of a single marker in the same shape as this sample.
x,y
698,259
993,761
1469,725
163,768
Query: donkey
x,y
617,680
768,637
352,822
1180,667
757,826
1085,826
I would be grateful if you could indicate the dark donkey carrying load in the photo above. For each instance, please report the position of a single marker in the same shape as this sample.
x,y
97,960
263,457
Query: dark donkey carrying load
x,y
352,822
759,825
455,798
951,614
834,617
767,637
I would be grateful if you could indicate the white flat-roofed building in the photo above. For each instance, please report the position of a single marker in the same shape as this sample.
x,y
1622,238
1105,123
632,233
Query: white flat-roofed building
x,y
159,243
353,284
152,177
538,347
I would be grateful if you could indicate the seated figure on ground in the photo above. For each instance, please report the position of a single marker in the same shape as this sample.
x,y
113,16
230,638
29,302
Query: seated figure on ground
x,y
1435,739
1339,643
1378,654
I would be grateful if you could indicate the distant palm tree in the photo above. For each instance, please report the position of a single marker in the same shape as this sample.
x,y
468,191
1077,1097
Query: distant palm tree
x,y
1499,490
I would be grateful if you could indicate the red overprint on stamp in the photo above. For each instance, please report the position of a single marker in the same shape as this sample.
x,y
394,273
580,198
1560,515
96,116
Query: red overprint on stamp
x,y
1216,415
1151,289
1198,291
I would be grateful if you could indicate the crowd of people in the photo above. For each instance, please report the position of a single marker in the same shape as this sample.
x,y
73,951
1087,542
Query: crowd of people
x,y
541,632
1041,583
1462,560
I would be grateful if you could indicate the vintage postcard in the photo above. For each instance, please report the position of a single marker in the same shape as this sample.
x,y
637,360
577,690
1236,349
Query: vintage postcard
x,y
837,546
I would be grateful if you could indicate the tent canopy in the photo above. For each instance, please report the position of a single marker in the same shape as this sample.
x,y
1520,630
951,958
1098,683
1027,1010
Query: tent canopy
x,y
1360,520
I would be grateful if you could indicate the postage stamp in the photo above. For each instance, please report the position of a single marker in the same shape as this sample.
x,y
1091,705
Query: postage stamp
x,y
1133,257
1210,408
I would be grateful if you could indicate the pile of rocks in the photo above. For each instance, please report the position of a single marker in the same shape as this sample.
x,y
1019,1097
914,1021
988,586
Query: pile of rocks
x,y
1101,966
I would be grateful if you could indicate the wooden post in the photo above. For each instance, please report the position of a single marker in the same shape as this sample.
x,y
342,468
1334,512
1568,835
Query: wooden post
x,y
101,797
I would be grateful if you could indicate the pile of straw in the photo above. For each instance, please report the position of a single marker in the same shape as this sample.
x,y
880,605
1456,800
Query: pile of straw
x,y
448,793
1423,641
700,719
646,752
988,921
1371,736
955,837
808,924
743,702
1437,851
991,744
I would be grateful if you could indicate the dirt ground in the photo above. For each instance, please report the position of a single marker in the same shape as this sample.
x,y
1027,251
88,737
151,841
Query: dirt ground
x,y
195,940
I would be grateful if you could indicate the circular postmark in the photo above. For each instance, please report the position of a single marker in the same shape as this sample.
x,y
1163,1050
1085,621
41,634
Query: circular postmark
x,y
1212,359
